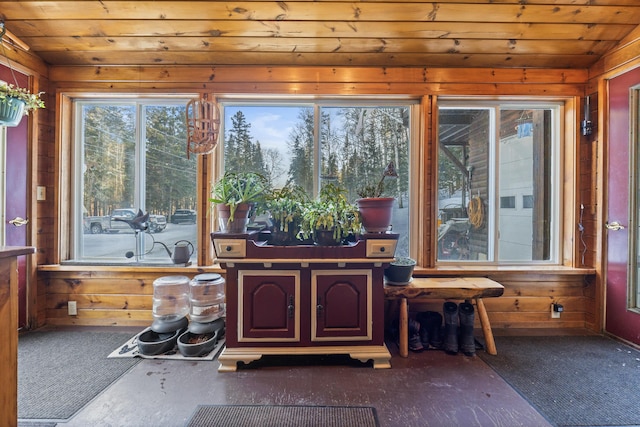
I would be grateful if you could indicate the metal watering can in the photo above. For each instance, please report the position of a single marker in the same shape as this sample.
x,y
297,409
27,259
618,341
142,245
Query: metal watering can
x,y
182,251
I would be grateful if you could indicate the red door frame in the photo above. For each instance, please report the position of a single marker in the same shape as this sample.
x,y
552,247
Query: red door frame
x,y
17,191
619,320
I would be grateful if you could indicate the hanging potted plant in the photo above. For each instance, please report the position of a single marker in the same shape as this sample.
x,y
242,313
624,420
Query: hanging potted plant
x,y
375,210
235,196
16,102
330,219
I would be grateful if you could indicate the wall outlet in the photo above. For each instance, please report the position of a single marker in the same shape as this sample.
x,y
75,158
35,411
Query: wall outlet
x,y
555,314
73,308
41,192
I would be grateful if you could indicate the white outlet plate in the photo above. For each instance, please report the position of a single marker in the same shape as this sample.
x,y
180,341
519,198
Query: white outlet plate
x,y
73,308
41,191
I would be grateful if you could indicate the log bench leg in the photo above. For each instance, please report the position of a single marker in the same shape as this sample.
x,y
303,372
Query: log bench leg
x,y
403,328
490,344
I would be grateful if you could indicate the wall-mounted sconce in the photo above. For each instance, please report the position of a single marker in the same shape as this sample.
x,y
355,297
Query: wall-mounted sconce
x,y
587,127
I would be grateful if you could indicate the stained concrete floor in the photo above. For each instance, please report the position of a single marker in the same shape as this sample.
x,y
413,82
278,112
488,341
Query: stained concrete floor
x,y
426,389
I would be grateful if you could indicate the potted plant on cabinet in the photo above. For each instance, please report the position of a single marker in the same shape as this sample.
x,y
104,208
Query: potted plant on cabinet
x,y
16,102
285,207
375,210
235,196
330,219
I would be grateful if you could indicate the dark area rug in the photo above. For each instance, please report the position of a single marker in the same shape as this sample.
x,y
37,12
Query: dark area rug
x,y
283,416
573,380
61,371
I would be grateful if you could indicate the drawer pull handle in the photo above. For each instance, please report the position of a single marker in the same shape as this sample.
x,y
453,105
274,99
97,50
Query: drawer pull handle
x,y
228,248
291,307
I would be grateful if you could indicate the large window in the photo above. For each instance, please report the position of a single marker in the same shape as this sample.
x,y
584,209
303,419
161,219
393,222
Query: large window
x,y
130,157
311,144
498,182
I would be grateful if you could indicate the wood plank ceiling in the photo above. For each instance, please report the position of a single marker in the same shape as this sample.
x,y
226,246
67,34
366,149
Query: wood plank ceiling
x,y
444,33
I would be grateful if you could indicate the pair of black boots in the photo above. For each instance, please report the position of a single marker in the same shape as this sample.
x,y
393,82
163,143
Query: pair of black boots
x,y
426,330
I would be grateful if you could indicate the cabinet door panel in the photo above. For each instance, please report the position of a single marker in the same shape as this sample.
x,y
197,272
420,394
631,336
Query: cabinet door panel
x,y
269,306
341,305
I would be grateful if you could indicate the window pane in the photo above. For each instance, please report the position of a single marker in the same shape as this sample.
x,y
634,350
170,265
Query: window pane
x,y
275,141
463,183
123,172
525,158
357,143
170,182
510,162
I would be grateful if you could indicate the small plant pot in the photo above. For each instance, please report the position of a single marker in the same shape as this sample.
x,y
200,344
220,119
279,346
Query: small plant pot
x,y
11,111
400,271
237,224
325,238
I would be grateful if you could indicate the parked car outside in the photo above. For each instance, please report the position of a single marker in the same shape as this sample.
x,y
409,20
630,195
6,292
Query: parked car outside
x,y
183,216
157,223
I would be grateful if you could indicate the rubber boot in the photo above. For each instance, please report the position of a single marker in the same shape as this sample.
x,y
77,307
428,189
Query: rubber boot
x,y
451,326
414,336
467,342
423,318
433,321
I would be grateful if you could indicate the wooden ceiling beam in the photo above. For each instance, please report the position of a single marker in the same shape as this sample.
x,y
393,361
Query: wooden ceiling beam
x,y
319,59
462,11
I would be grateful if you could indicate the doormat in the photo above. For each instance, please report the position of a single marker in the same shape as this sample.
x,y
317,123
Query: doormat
x,y
572,380
60,371
283,416
130,349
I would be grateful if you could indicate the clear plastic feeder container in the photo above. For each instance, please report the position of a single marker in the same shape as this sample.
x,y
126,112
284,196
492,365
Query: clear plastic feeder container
x,y
207,297
170,297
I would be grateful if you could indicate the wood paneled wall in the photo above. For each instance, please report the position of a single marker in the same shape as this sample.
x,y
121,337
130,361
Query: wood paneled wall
x,y
123,296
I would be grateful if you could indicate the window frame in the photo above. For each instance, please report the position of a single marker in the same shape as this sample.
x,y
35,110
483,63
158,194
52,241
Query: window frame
x,y
317,103
139,102
561,108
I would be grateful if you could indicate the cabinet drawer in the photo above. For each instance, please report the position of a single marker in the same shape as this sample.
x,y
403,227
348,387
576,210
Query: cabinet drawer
x,y
381,248
231,248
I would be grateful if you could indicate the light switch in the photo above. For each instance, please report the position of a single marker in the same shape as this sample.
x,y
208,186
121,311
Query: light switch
x,y
41,192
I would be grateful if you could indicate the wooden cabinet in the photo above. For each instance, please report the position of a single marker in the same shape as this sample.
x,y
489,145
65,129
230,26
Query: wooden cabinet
x,y
9,334
304,300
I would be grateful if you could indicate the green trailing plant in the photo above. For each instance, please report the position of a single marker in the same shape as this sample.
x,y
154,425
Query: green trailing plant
x,y
331,211
32,101
285,205
376,190
236,188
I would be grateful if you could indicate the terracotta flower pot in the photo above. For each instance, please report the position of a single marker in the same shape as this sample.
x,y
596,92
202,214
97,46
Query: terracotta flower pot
x,y
237,224
375,213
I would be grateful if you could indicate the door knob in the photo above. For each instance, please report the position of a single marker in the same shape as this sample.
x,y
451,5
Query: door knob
x,y
18,222
614,225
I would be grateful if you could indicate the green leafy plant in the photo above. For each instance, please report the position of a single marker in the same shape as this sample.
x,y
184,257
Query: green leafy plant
x,y
235,188
32,101
331,211
285,205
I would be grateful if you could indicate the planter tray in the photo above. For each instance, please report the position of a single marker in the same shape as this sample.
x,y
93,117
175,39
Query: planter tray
x,y
253,249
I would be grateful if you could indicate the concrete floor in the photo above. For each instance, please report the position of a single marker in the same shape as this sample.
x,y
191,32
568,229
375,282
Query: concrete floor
x,y
426,389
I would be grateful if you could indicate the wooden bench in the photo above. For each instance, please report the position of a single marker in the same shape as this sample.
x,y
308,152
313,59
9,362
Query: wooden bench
x,y
471,289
